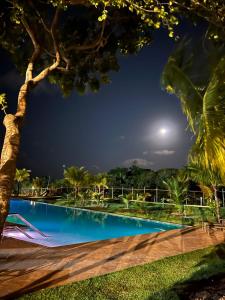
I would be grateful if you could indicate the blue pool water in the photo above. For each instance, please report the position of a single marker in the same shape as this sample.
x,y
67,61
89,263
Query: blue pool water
x,y
71,225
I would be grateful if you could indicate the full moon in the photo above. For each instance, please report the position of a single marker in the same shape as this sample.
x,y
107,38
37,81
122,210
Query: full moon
x,y
163,131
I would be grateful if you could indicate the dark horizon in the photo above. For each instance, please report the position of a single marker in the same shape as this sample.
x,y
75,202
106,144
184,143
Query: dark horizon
x,y
124,121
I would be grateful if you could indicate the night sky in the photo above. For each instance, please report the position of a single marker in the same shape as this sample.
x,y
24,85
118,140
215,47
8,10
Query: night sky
x,y
130,119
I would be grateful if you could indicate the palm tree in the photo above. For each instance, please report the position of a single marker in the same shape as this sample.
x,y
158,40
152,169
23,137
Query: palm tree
x,y
126,200
208,180
197,79
118,176
37,184
100,181
20,176
76,177
162,175
178,189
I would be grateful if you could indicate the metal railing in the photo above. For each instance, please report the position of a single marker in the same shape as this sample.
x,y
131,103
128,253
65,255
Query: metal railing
x,y
9,228
27,223
156,195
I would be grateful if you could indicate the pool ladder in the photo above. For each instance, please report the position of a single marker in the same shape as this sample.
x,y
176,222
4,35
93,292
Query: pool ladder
x,y
22,230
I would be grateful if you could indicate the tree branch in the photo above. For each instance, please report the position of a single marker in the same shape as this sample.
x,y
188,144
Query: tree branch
x,y
197,12
63,70
37,49
41,19
53,29
78,2
43,74
97,43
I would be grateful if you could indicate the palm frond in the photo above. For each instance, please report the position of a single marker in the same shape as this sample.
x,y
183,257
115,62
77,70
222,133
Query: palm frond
x,y
206,176
210,142
176,81
22,174
202,99
75,176
207,191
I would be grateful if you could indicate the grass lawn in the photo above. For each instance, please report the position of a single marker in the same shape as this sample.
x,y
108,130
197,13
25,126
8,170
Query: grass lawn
x,y
165,279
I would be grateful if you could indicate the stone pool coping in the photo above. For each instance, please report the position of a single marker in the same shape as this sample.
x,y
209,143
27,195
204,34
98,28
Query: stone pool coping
x,y
26,267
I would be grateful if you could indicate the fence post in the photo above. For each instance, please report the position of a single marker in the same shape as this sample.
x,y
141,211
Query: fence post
x,y
223,197
103,192
132,191
122,191
112,193
201,201
156,195
144,189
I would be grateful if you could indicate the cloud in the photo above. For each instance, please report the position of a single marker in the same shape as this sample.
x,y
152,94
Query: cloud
x,y
96,167
145,152
164,152
139,162
122,137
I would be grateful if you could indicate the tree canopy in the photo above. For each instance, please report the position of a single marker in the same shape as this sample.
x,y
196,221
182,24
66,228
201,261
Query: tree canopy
x,y
74,40
75,43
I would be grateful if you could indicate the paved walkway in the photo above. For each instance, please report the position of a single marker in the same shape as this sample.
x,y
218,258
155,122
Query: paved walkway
x,y
26,267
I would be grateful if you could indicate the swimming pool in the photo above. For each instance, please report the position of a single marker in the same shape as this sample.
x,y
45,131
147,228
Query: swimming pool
x,y
65,226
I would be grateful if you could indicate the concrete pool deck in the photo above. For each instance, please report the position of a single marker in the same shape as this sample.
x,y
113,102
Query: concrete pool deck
x,y
26,267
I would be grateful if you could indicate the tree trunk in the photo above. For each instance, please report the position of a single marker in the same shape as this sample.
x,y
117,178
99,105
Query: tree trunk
x,y
13,123
217,202
9,154
8,164
75,193
18,188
